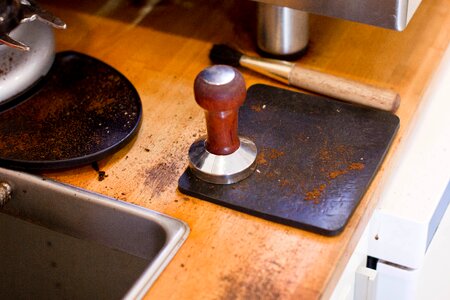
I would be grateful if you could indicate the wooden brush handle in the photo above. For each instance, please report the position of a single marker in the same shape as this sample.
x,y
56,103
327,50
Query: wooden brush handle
x,y
344,89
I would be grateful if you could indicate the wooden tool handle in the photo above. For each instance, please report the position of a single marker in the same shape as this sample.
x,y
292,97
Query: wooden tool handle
x,y
344,89
220,91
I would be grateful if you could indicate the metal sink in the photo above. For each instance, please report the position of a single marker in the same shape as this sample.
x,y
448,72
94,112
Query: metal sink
x,y
62,242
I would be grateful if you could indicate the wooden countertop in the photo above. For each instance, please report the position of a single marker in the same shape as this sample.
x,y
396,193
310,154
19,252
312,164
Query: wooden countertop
x,y
161,48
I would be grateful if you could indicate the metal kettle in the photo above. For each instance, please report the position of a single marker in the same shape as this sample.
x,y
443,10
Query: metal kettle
x,y
15,12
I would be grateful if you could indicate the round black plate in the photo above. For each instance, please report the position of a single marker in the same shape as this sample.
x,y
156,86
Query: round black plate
x,y
83,111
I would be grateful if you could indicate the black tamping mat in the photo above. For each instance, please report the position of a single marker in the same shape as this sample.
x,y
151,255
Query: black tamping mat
x,y
316,158
80,112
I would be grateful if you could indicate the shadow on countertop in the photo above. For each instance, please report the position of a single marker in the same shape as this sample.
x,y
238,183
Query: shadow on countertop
x,y
167,15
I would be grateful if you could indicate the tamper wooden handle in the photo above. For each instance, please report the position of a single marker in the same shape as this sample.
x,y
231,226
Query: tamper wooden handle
x,y
220,91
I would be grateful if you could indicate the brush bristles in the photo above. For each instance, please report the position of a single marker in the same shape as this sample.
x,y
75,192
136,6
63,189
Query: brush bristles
x,y
223,54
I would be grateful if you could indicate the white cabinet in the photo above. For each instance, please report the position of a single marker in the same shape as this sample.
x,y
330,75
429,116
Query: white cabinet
x,y
409,232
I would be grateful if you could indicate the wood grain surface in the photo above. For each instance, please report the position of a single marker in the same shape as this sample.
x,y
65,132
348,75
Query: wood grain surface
x,y
161,48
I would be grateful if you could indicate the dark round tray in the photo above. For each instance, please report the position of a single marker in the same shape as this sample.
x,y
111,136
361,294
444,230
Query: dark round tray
x,y
81,112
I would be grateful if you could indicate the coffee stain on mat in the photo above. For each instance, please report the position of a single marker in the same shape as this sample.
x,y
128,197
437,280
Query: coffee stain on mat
x,y
332,164
261,159
275,153
315,194
337,173
356,166
265,155
256,108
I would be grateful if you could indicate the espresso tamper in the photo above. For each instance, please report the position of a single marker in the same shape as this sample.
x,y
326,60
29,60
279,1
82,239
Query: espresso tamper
x,y
222,157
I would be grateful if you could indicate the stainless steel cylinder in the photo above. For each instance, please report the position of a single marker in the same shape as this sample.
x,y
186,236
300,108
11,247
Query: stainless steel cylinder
x,y
282,31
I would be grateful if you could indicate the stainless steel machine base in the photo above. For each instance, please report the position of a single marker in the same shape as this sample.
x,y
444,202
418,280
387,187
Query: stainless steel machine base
x,y
282,32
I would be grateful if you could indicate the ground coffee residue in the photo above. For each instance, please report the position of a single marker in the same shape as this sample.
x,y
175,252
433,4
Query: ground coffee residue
x,y
315,194
356,166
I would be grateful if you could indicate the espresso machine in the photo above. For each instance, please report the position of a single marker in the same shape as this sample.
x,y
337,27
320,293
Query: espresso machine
x,y
283,29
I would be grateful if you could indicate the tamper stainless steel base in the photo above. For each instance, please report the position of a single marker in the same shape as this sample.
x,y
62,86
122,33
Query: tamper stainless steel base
x,y
222,157
222,169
